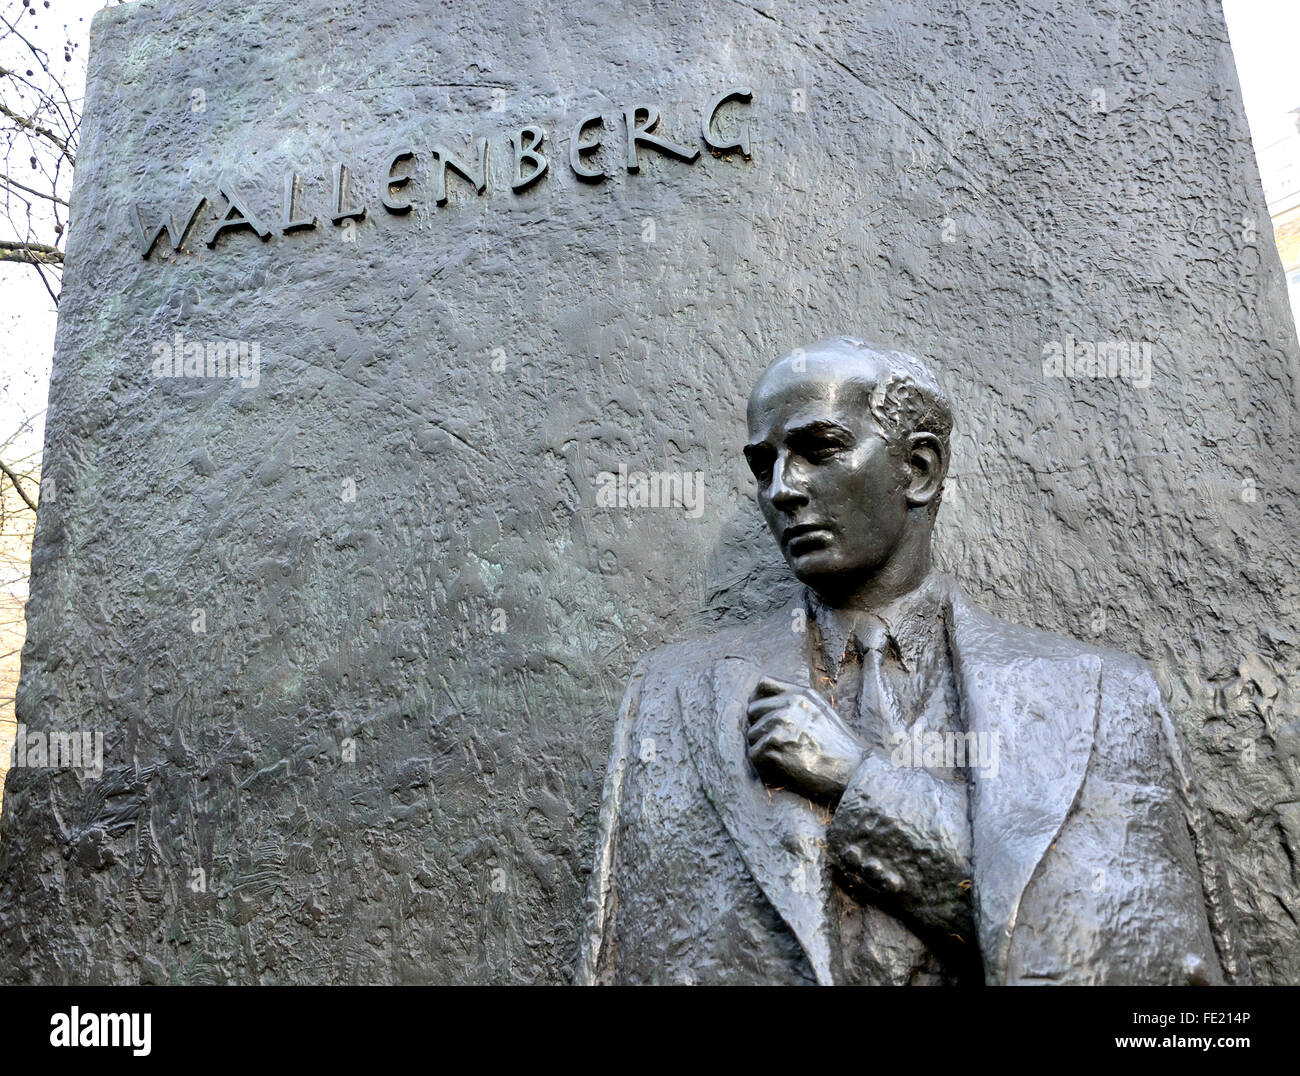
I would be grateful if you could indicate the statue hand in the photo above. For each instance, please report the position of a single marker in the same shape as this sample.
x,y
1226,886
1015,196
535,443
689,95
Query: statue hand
x,y
796,738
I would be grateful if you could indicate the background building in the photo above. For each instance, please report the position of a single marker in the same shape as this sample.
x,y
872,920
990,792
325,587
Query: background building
x,y
1279,167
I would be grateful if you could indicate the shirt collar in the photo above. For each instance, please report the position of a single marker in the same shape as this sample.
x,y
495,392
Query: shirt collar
x,y
910,626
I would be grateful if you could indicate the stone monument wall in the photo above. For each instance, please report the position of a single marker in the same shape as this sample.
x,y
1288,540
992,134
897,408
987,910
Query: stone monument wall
x,y
353,609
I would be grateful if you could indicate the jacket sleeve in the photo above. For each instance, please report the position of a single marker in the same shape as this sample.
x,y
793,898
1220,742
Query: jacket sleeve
x,y
900,839
597,950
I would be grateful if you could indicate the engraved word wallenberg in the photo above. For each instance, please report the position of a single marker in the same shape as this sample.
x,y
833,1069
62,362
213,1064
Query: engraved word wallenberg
x,y
882,783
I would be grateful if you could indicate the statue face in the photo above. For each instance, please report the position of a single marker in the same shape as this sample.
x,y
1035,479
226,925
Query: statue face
x,y
833,492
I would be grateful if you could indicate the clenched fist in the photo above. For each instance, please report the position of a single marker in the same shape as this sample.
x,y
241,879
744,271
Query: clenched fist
x,y
797,740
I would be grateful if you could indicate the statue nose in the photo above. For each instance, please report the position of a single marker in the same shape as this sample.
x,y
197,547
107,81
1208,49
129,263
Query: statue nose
x,y
781,492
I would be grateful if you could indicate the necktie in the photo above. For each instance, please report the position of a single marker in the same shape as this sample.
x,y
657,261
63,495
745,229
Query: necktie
x,y
879,711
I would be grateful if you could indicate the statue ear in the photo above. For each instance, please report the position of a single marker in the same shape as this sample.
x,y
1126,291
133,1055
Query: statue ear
x,y
927,461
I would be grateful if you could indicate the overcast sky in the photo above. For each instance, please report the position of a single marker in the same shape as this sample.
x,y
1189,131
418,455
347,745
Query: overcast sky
x,y
26,311
1265,39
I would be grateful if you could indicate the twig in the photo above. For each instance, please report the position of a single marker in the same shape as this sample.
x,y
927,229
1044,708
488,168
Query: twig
x,y
14,183
18,486
44,132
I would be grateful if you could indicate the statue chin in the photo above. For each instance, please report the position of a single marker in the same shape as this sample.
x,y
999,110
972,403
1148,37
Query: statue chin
x,y
821,578
824,573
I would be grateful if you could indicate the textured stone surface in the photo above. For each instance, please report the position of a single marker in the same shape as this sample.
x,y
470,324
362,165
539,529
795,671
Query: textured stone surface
x,y
969,181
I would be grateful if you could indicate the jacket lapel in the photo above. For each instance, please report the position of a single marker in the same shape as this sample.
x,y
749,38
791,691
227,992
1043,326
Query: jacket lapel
x,y
781,835
1036,702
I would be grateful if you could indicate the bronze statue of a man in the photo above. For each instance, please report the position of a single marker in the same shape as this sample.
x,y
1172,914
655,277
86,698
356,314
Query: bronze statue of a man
x,y
883,784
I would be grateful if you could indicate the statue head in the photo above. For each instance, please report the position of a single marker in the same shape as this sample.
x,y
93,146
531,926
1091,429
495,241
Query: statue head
x,y
848,443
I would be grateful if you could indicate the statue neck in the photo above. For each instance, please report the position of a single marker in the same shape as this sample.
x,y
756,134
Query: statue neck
x,y
906,570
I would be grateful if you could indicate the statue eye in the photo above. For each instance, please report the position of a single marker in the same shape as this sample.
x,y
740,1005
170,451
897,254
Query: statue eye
x,y
820,451
821,443
760,460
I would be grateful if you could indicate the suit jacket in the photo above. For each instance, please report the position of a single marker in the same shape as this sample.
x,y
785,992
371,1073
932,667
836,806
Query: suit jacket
x,y
1088,859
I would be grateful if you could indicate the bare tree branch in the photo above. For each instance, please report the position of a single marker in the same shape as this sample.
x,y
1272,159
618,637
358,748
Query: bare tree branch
x,y
18,486
44,132
36,248
54,296
32,253
14,183
31,258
